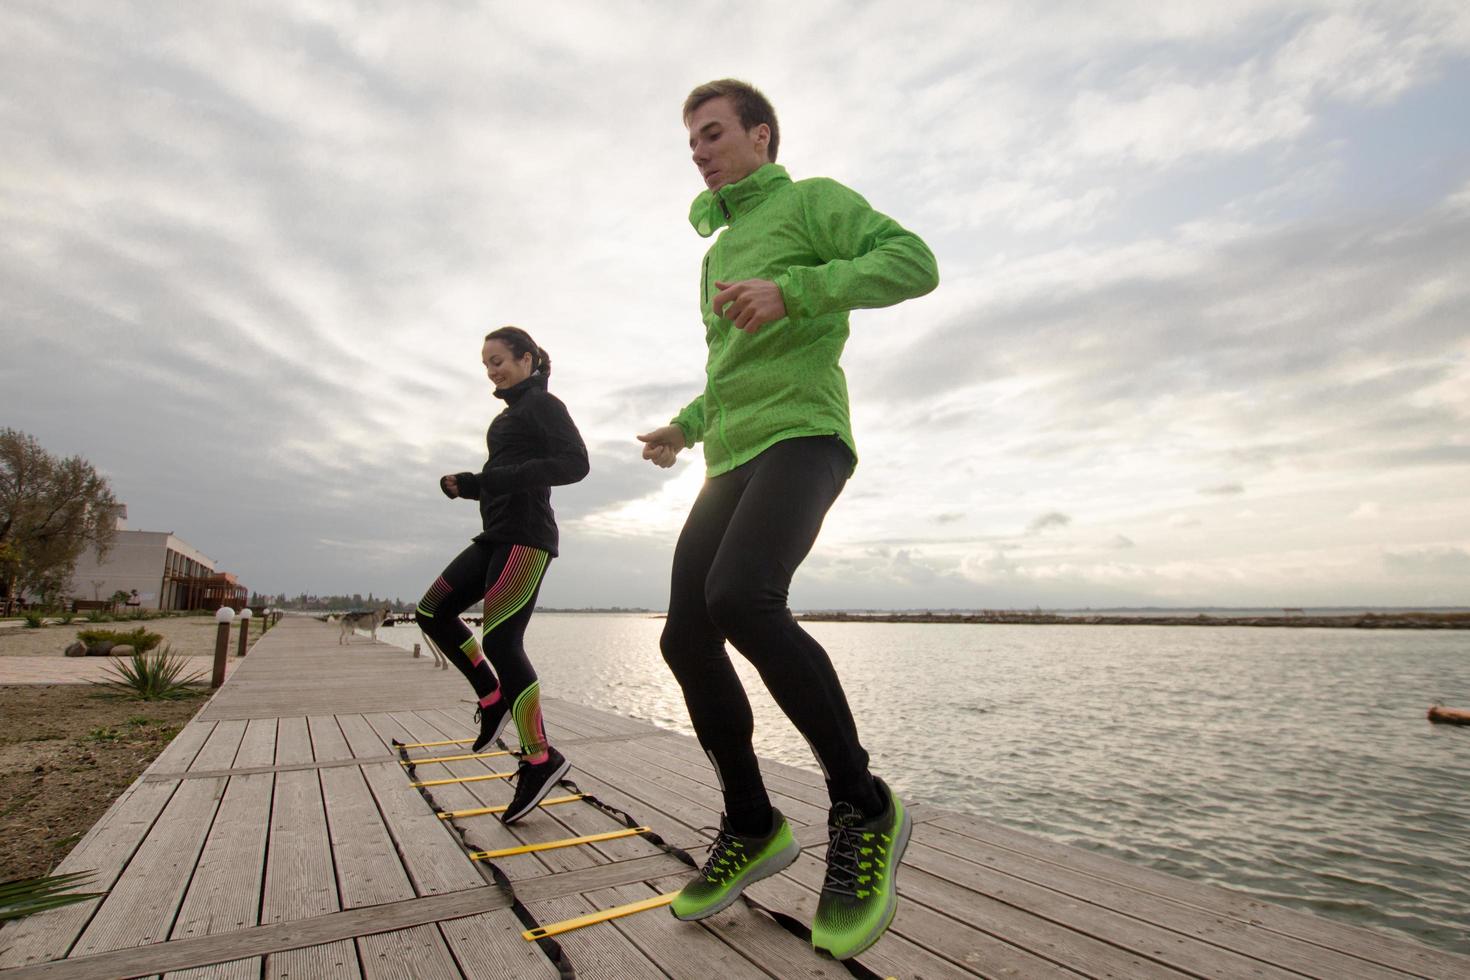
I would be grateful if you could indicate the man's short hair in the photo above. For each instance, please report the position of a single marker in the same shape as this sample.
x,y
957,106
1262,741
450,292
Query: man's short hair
x,y
751,106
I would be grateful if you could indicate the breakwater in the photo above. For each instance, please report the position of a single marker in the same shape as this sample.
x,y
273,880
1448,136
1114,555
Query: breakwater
x,y
1370,620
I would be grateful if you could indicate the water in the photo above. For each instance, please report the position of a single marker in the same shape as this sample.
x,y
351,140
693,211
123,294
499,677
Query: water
x,y
1293,765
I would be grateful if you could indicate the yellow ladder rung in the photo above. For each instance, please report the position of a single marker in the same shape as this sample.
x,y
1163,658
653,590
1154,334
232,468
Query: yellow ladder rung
x,y
592,918
481,811
451,758
431,745
553,844
462,779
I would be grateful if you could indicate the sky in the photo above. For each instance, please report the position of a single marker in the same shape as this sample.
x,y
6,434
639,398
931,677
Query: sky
x,y
1202,335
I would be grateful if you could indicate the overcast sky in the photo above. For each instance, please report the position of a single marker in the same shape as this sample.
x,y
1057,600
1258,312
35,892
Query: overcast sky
x,y
1202,334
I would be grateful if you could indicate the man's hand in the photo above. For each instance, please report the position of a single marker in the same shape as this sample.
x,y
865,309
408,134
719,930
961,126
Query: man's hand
x,y
450,486
663,444
750,304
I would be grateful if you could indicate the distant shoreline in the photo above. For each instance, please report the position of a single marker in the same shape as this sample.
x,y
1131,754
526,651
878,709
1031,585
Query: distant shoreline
x,y
1370,620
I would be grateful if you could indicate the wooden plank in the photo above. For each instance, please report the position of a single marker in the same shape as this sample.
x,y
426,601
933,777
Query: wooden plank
x,y
430,853
1140,938
163,777
757,937
411,726
258,747
179,753
141,906
332,961
1388,951
485,834
902,951
220,749
392,919
1223,932
597,953
410,954
369,871
683,950
490,945
293,742
327,743
105,850
224,892
301,879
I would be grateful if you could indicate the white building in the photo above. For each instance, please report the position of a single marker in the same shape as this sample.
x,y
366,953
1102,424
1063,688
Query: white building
x,y
166,572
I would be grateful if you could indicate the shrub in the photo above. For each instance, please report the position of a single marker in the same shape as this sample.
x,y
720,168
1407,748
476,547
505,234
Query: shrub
x,y
34,618
139,639
98,616
152,677
66,618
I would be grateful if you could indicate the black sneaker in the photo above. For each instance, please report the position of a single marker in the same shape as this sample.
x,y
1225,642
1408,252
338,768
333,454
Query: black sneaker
x,y
533,782
859,895
492,722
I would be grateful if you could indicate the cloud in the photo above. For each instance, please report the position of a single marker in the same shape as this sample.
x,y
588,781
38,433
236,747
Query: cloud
x,y
1120,542
1223,490
1429,561
248,260
1048,520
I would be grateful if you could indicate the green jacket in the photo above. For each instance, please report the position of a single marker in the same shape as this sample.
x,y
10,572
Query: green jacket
x,y
828,252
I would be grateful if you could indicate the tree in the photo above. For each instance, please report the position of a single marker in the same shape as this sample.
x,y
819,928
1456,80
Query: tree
x,y
51,510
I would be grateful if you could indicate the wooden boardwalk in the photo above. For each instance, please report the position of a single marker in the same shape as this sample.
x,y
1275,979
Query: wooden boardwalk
x,y
278,835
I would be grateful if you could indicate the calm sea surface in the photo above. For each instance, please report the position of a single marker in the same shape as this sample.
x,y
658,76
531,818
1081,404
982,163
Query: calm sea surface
x,y
1291,764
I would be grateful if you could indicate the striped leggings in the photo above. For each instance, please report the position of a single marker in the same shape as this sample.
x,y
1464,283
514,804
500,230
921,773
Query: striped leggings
x,y
507,578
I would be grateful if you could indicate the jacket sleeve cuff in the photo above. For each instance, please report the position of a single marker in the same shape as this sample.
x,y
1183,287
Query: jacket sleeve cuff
x,y
469,485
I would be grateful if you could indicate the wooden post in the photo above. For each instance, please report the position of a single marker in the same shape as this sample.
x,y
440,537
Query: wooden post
x,y
221,651
244,635
415,651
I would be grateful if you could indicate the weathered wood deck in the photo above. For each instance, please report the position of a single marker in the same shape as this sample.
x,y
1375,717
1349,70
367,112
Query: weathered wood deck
x,y
279,836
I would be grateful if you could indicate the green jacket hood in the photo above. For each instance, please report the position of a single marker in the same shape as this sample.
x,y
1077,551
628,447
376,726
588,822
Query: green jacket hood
x,y
712,210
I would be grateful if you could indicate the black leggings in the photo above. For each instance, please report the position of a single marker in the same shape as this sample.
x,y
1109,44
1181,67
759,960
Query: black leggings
x,y
746,535
507,579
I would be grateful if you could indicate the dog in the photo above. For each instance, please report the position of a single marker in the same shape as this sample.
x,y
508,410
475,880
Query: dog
x,y
353,621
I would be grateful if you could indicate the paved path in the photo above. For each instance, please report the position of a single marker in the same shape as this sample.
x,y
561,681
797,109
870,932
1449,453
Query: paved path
x,y
81,670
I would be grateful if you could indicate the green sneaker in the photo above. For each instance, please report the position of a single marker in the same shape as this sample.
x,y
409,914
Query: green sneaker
x,y
860,895
733,863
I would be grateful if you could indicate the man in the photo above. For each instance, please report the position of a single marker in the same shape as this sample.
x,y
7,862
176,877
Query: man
x,y
776,290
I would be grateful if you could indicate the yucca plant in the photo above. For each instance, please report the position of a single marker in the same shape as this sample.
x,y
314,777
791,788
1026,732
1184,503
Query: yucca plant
x,y
152,676
26,896
34,618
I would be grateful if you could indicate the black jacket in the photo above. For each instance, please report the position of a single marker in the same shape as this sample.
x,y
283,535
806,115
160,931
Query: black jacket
x,y
534,446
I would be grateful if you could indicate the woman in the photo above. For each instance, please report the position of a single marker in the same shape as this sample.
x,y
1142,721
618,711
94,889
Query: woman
x,y
534,446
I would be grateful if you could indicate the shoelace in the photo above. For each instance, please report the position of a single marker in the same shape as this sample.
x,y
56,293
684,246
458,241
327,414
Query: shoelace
x,y
724,854
842,851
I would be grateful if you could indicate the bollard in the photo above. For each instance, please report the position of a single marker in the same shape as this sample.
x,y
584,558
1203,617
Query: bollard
x,y
415,651
244,630
221,644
